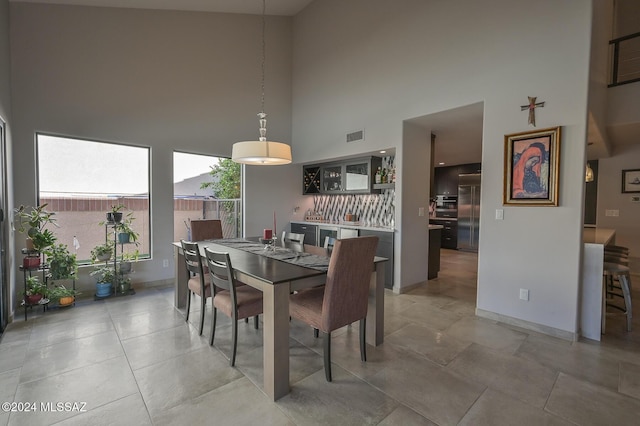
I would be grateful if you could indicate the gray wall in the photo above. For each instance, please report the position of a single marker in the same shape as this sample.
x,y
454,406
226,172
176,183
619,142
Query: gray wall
x,y
164,79
379,63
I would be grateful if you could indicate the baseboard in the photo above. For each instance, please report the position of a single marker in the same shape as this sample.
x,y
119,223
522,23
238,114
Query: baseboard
x,y
544,329
407,288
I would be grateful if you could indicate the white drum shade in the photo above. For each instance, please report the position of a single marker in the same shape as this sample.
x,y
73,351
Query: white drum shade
x,y
263,153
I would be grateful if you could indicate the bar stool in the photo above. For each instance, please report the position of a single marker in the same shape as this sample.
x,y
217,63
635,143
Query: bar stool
x,y
621,273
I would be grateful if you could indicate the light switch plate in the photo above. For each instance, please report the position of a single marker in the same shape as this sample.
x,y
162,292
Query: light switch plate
x,y
499,214
421,211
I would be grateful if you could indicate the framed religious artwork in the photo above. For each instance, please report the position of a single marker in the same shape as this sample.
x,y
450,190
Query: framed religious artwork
x,y
531,168
631,180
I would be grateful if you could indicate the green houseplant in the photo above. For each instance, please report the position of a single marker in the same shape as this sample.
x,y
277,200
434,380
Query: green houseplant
x,y
126,234
115,215
35,290
62,264
102,252
61,295
33,223
104,276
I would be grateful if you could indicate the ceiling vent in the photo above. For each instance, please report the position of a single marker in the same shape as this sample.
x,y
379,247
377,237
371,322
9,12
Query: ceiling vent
x,y
355,136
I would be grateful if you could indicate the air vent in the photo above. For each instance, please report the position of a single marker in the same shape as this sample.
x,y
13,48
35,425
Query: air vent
x,y
355,136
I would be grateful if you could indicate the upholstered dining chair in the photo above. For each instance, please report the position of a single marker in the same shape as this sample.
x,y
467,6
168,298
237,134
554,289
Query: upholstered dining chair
x,y
235,300
344,297
197,278
292,237
206,229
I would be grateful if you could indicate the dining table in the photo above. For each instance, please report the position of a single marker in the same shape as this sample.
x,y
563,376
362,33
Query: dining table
x,y
277,270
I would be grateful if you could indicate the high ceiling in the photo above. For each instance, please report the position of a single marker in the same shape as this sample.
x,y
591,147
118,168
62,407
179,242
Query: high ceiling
x,y
254,7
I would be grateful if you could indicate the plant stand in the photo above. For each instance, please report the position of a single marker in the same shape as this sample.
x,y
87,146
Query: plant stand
x,y
28,271
111,227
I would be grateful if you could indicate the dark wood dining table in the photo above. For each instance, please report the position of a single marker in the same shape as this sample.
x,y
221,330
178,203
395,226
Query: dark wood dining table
x,y
277,279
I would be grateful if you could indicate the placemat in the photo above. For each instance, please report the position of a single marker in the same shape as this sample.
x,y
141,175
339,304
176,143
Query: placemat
x,y
284,254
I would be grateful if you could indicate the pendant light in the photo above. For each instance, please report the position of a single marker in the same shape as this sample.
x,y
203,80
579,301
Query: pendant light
x,y
262,151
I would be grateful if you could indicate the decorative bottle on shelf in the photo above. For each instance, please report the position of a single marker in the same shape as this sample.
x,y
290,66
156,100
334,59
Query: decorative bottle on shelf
x,y
379,175
383,176
393,175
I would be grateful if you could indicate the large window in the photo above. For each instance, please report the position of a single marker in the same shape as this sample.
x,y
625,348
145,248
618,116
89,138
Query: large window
x,y
81,180
205,187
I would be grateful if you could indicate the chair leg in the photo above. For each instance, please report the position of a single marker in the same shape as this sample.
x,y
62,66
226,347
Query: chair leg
x,y
234,327
214,315
327,355
189,295
626,291
363,343
246,320
316,333
203,305
255,322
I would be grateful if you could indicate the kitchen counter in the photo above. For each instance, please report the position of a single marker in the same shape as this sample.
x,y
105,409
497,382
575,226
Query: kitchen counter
x,y
350,225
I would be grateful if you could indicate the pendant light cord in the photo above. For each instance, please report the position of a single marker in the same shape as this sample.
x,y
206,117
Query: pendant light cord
x,y
264,55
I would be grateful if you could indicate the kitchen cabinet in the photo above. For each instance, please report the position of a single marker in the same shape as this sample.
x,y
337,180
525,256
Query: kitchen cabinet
x,y
353,176
310,232
385,249
435,242
446,180
449,232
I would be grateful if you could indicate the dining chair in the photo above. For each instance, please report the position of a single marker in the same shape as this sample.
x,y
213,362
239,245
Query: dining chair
x,y
198,281
617,276
344,297
292,237
235,300
206,229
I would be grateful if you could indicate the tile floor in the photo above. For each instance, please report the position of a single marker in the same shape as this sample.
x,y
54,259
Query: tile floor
x,y
134,361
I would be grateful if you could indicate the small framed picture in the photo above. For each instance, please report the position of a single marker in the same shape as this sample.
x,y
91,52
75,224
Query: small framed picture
x,y
631,180
531,168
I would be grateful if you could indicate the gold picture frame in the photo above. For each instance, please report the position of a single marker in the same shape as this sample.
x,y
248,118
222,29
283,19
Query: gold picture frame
x,y
531,168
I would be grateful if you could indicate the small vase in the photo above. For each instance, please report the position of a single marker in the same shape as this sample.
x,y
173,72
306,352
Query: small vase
x,y
66,301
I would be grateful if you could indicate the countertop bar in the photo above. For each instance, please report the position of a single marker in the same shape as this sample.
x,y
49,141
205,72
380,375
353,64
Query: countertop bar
x,y
345,225
598,235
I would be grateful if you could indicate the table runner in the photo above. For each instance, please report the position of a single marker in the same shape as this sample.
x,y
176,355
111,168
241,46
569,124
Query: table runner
x,y
284,254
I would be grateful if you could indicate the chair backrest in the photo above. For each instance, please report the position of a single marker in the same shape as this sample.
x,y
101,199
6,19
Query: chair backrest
x,y
346,293
329,242
192,258
221,272
206,229
292,236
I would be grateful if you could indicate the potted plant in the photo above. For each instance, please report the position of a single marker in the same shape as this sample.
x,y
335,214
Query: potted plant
x,y
104,276
61,295
102,253
126,234
125,264
33,222
124,284
35,290
62,264
115,215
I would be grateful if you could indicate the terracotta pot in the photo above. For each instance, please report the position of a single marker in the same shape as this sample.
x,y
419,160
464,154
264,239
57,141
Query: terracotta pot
x,y
31,262
66,301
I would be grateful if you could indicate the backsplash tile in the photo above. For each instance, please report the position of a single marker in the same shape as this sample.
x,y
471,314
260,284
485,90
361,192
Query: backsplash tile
x,y
372,209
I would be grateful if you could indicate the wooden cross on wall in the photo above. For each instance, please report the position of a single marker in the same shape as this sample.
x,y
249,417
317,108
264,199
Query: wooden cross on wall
x,y
532,109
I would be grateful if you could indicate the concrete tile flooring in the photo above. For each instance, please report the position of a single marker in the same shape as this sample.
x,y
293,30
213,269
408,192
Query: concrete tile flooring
x,y
135,361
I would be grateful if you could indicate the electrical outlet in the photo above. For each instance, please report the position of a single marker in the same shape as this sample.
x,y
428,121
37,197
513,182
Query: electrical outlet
x,y
524,294
612,213
165,263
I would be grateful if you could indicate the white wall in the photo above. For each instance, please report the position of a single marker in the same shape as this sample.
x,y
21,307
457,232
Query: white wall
x,y
372,64
610,197
165,79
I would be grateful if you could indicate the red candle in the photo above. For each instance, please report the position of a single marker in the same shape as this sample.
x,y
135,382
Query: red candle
x,y
275,229
267,234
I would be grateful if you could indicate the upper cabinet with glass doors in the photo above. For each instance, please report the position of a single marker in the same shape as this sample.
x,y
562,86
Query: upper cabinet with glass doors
x,y
353,176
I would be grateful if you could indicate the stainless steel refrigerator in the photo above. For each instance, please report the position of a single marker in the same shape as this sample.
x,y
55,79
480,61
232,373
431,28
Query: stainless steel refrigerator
x,y
468,211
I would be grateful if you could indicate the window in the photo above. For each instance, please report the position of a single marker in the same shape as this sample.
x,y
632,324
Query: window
x,y
80,180
199,194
